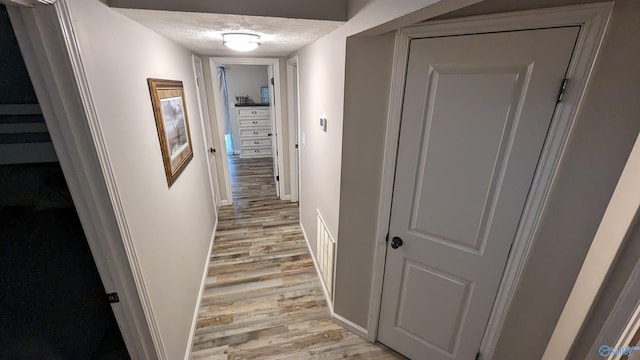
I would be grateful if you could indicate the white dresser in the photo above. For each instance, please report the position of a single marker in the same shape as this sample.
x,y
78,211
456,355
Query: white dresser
x,y
254,123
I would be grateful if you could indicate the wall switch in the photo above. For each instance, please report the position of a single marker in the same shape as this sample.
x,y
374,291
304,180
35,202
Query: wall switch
x,y
303,139
323,123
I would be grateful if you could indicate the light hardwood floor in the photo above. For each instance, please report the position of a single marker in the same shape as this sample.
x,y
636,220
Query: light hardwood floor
x,y
262,298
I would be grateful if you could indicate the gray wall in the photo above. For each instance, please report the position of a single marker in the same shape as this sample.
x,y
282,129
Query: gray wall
x,y
600,143
368,74
321,79
500,6
598,147
299,9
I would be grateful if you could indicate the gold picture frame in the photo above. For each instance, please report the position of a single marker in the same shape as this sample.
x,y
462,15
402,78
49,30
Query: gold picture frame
x,y
172,123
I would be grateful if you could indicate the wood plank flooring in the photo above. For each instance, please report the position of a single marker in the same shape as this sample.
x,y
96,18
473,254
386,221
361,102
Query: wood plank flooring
x,y
262,298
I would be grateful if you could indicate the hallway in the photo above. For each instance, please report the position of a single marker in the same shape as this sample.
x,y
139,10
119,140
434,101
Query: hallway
x,y
262,298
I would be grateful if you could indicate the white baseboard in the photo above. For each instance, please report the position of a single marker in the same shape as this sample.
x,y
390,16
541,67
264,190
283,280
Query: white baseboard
x,y
225,202
285,197
315,264
350,325
187,353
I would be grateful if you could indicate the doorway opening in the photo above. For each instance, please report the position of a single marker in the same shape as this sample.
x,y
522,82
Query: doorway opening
x,y
248,131
248,108
53,301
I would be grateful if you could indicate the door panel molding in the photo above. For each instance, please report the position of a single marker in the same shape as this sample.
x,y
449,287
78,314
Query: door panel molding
x,y
480,219
592,19
455,290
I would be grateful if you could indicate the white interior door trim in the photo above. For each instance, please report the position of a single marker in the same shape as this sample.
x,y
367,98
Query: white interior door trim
x,y
623,321
592,18
52,54
214,62
205,122
293,96
612,232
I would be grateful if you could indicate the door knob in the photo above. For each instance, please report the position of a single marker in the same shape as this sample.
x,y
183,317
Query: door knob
x,y
212,150
396,242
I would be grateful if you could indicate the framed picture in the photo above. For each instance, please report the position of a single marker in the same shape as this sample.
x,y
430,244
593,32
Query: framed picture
x,y
172,123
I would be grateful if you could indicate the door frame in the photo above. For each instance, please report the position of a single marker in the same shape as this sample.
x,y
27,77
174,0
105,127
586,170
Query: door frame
x,y
276,113
619,219
592,19
622,323
293,103
206,130
274,146
50,48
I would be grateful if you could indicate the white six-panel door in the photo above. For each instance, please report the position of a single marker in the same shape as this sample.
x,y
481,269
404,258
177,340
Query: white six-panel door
x,y
476,112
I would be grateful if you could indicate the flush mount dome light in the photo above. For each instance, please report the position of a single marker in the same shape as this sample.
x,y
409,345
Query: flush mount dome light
x,y
241,41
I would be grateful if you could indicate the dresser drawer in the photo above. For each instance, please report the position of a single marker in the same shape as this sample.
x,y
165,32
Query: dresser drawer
x,y
254,132
253,112
254,123
256,142
255,152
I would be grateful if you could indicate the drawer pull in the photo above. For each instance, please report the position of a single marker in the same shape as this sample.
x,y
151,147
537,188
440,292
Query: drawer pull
x,y
255,122
255,133
254,112
256,151
256,142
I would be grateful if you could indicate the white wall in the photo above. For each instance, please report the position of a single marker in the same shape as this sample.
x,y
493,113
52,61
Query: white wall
x,y
171,228
243,80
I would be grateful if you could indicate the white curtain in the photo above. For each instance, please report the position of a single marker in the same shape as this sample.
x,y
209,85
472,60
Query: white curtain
x,y
222,80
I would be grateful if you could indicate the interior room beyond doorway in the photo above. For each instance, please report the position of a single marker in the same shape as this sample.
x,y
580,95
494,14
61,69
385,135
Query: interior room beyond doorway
x,y
244,94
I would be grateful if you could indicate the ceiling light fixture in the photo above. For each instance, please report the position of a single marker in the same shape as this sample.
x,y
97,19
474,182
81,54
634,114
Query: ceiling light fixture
x,y
241,41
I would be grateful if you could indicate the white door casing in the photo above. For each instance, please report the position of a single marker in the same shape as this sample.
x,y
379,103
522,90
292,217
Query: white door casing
x,y
274,129
475,116
293,120
206,132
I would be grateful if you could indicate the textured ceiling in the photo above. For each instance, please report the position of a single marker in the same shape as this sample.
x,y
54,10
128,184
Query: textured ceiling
x,y
201,32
